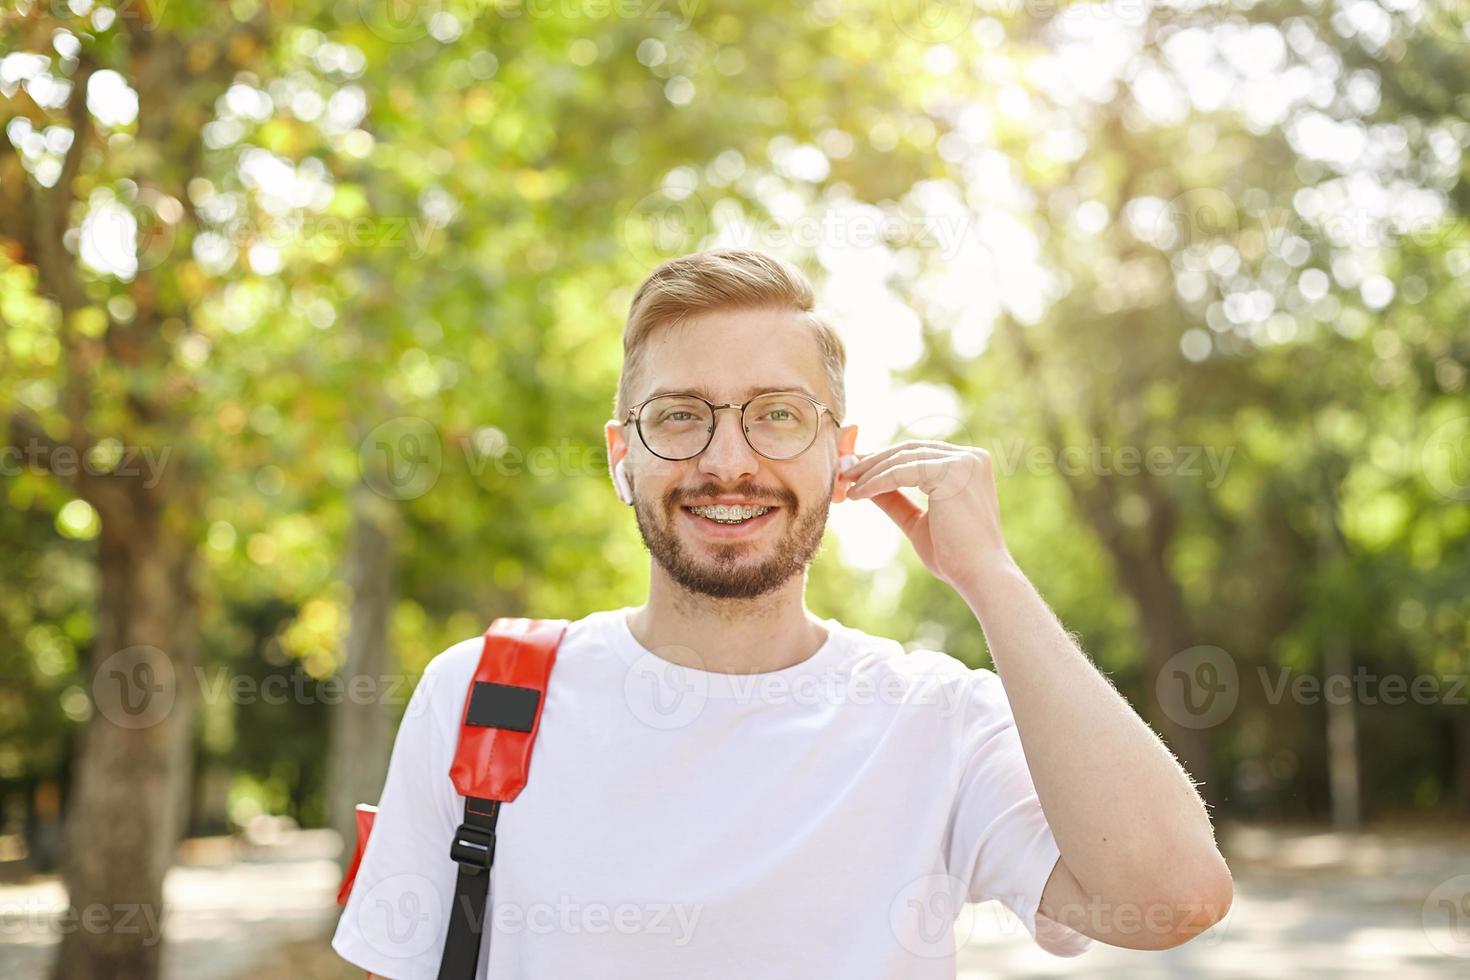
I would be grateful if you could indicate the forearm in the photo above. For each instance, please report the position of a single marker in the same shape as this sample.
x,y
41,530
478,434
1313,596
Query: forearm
x,y
1126,816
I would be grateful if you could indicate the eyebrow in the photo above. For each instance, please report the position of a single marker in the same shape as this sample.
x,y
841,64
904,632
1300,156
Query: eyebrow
x,y
750,392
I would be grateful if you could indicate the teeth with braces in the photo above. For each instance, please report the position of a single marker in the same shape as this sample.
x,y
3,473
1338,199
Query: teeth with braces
x,y
729,514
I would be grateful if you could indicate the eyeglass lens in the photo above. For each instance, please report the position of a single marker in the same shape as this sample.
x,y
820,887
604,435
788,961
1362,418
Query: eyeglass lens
x,y
777,425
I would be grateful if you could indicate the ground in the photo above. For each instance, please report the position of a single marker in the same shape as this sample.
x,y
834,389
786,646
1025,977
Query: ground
x,y
1307,903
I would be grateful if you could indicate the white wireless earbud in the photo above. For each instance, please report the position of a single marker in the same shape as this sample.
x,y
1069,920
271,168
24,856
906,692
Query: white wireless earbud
x,y
620,482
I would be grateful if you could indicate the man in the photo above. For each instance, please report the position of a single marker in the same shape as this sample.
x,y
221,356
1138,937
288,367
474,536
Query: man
x,y
725,785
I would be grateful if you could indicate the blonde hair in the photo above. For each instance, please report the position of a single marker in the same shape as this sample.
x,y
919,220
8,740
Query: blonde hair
x,y
719,280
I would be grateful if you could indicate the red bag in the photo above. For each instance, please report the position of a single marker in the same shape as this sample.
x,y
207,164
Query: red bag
x,y
365,813
498,725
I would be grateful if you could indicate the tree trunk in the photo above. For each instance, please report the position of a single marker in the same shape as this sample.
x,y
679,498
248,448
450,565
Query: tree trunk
x,y
131,772
1342,732
362,727
131,780
1337,660
1462,761
1141,559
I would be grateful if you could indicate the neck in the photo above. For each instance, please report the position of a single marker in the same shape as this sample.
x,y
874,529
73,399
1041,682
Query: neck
x,y
727,636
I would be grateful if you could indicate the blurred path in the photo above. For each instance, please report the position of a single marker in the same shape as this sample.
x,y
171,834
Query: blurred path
x,y
1307,904
229,908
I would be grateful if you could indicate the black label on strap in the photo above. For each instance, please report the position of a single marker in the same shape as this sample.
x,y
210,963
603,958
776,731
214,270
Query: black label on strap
x,y
503,706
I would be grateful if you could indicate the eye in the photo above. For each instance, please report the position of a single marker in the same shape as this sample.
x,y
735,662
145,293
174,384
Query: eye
x,y
781,413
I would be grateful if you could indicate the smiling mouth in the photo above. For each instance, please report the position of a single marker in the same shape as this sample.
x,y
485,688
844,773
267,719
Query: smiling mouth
x,y
731,514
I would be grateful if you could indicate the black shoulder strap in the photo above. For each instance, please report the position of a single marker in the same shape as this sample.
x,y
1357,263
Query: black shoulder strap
x,y
474,850
502,712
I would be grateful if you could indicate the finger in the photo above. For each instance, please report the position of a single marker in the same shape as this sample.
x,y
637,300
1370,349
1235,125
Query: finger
x,y
867,462
900,508
923,472
894,457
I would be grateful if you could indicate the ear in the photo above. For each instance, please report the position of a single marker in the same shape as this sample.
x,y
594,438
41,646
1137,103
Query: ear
x,y
617,446
846,446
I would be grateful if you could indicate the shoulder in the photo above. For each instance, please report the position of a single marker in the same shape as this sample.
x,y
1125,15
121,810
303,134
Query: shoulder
x,y
448,673
922,670
454,666
438,698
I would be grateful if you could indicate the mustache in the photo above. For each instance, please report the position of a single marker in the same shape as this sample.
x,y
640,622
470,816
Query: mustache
x,y
779,498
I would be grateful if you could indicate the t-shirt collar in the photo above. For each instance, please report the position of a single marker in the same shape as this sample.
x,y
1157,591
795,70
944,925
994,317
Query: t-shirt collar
x,y
772,684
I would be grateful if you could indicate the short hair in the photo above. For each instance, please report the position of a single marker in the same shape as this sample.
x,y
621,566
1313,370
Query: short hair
x,y
719,280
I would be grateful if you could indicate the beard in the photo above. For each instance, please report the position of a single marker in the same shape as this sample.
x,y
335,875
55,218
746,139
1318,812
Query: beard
x,y
729,572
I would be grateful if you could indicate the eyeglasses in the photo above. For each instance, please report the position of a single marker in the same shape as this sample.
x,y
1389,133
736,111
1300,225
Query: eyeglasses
x,y
777,424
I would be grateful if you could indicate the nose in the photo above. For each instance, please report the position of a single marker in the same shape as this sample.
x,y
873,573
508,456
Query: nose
x,y
728,457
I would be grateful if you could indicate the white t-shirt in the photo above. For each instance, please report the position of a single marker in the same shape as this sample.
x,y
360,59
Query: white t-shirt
x,y
825,820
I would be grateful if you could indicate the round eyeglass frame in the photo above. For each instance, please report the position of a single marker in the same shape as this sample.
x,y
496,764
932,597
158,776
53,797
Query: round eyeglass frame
x,y
634,416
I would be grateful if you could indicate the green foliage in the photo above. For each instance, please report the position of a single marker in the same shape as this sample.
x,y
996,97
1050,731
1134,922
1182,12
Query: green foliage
x,y
355,228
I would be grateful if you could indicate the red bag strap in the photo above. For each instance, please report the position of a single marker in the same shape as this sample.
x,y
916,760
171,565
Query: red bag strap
x,y
365,814
502,707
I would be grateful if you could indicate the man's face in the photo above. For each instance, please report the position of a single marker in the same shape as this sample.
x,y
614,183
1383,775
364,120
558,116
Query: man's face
x,y
729,357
